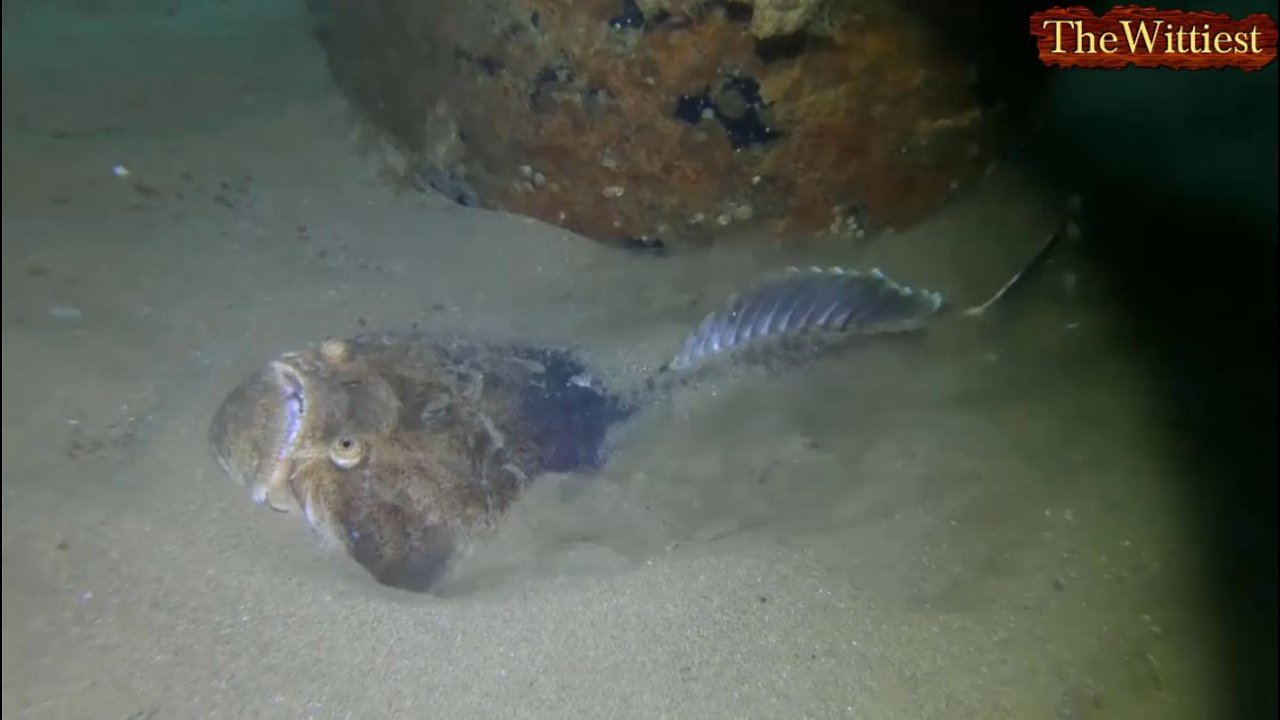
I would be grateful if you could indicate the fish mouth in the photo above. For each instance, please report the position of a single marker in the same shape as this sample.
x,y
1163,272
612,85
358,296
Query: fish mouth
x,y
256,433
294,407
272,486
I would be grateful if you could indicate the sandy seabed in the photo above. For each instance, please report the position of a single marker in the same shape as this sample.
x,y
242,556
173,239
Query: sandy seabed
x,y
978,523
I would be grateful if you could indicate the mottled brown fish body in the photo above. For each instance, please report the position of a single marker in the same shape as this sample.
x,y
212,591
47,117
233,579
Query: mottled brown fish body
x,y
399,448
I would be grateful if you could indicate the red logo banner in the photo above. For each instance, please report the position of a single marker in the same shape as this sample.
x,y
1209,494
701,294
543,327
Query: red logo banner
x,y
1147,37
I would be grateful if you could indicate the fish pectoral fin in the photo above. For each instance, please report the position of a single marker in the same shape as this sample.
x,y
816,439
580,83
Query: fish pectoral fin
x,y
379,535
408,559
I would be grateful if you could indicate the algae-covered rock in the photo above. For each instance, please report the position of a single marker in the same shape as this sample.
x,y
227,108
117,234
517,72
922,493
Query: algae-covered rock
x,y
662,119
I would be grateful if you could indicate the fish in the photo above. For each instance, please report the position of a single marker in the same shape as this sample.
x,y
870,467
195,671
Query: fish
x,y
404,448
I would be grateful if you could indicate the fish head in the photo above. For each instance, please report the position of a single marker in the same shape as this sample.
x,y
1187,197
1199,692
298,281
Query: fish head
x,y
295,416
373,447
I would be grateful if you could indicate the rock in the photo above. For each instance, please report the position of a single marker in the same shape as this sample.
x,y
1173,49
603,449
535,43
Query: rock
x,y
684,104
782,17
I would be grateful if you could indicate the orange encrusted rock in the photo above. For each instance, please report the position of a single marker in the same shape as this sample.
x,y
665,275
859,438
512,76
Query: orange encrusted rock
x,y
665,119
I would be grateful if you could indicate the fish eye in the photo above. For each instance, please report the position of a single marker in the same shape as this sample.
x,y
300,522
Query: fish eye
x,y
347,451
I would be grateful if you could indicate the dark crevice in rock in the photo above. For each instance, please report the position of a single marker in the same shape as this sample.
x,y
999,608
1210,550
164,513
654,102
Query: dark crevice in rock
x,y
739,12
645,245
784,47
629,19
736,105
487,64
548,79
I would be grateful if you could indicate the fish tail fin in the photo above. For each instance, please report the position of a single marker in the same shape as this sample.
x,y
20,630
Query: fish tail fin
x,y
810,301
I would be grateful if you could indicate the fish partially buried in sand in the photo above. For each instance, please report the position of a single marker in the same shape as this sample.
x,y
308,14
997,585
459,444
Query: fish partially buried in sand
x,y
402,448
